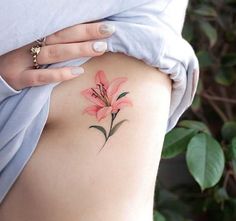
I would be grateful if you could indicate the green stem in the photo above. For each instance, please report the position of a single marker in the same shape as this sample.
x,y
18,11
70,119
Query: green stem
x,y
112,120
102,146
113,116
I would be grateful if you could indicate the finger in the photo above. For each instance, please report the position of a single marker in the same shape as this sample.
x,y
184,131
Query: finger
x,y
61,52
81,32
45,76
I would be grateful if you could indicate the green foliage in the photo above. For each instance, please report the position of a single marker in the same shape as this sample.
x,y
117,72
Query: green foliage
x,y
228,131
100,128
176,142
205,160
122,95
170,207
196,125
225,76
208,136
158,216
116,126
221,195
204,155
229,60
204,58
205,10
209,31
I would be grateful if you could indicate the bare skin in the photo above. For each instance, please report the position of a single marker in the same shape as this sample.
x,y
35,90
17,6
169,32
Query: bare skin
x,y
66,178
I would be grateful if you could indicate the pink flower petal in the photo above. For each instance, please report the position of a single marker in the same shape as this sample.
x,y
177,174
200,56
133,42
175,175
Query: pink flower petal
x,y
120,103
87,93
114,86
101,78
103,112
92,110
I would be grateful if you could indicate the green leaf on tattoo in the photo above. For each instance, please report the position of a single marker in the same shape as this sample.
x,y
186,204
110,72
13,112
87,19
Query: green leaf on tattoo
x,y
122,95
115,128
100,129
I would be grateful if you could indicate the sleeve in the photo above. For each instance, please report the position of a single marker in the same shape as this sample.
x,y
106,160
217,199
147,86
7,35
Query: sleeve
x,y
152,32
6,90
22,22
149,30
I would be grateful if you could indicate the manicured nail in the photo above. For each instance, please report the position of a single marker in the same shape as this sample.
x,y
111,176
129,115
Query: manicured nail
x,y
77,70
99,46
107,29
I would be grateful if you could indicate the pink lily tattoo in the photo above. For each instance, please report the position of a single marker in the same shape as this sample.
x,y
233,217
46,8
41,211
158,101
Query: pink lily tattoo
x,y
107,99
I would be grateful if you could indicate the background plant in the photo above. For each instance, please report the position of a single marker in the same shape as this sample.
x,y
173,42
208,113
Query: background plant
x,y
207,132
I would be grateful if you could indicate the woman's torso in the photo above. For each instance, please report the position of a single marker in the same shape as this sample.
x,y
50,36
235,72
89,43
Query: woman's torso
x,y
65,179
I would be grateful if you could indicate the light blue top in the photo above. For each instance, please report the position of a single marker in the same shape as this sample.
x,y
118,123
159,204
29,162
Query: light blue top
x,y
149,30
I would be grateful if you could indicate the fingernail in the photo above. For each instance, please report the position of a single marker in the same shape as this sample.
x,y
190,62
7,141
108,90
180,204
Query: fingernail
x,y
107,29
99,46
77,70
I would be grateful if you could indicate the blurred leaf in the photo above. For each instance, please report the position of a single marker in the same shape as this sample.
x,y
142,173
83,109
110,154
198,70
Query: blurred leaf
x,y
233,148
231,35
204,59
230,152
207,203
197,125
158,216
188,32
209,31
232,202
165,197
233,154
176,142
197,103
170,201
205,10
228,130
229,60
231,2
205,160
225,76
221,195
173,216
199,86
234,166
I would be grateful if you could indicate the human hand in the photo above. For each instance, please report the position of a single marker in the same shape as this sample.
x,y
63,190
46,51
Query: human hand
x,y
16,67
